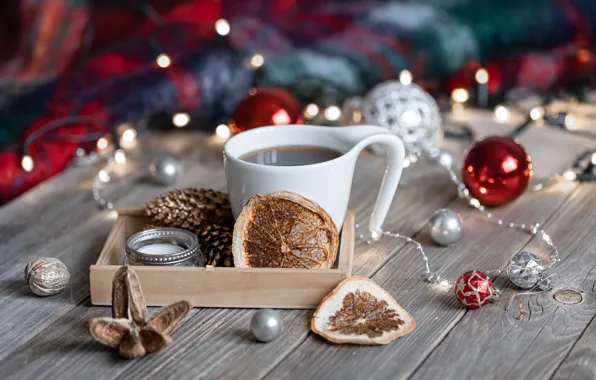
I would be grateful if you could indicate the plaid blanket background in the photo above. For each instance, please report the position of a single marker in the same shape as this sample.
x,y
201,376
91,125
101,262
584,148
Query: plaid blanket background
x,y
65,58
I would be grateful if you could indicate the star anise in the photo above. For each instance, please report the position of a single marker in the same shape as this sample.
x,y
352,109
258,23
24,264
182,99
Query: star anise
x,y
130,328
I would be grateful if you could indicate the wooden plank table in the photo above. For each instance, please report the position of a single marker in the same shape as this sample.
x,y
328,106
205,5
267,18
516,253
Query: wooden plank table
x,y
44,338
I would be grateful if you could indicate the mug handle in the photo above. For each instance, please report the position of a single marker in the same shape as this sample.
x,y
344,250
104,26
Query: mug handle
x,y
395,155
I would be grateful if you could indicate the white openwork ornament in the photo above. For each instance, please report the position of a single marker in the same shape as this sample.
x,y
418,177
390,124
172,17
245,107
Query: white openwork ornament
x,y
407,111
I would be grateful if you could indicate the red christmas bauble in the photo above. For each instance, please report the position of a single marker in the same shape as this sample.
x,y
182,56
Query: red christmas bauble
x,y
266,106
474,289
497,170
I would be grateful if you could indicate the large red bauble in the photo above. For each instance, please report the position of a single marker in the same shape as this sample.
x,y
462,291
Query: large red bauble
x,y
474,289
266,106
497,170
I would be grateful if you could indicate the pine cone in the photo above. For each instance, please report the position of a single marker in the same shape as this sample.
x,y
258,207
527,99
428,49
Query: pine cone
x,y
191,209
216,245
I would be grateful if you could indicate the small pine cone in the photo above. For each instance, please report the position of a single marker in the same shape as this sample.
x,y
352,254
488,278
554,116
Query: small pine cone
x,y
216,246
191,209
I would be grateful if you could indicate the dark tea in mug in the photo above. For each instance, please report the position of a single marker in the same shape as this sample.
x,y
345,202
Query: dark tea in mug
x,y
291,156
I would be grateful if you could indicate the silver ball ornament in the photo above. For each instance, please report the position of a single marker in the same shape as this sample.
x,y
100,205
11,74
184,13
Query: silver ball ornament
x,y
524,269
266,325
407,111
165,170
47,276
445,227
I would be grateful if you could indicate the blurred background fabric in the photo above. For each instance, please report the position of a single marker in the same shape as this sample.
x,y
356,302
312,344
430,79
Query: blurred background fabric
x,y
97,58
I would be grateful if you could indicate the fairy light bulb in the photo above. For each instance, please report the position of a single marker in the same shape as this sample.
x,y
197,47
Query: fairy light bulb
x,y
257,61
405,77
223,131
332,113
27,163
163,61
536,113
460,95
103,176
481,76
593,159
222,27
407,162
569,175
120,156
311,110
501,113
102,143
569,121
129,135
180,119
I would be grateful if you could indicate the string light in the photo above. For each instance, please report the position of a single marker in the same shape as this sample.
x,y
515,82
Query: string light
x,y
222,27
481,76
536,113
569,175
163,61
129,135
501,113
311,110
257,61
223,131
119,156
103,176
405,77
407,162
27,163
460,95
332,113
180,119
102,143
569,121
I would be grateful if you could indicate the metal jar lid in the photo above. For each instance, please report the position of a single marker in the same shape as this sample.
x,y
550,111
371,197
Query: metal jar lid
x,y
174,236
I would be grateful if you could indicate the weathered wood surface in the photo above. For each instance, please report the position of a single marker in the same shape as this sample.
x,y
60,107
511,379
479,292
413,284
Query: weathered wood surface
x,y
45,338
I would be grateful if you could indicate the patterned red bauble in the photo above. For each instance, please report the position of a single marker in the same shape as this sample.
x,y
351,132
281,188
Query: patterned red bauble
x,y
266,106
474,289
497,170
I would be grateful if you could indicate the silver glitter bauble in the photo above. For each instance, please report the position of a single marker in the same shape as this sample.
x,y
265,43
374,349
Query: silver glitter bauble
x,y
407,111
524,270
47,276
266,325
165,170
445,227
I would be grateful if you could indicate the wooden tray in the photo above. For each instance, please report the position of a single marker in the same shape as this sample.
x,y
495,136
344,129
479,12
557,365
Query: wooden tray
x,y
219,287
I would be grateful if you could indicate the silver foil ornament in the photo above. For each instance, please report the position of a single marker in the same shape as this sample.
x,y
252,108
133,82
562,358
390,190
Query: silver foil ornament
x,y
165,170
408,112
445,227
524,269
266,325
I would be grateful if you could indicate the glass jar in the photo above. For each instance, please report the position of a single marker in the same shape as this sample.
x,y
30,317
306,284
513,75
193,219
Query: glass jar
x,y
163,246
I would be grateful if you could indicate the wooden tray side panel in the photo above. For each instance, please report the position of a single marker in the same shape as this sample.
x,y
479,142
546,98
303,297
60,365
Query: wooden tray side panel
x,y
219,287
214,288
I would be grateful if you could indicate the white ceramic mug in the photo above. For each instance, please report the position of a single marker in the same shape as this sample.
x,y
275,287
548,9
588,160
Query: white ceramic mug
x,y
328,183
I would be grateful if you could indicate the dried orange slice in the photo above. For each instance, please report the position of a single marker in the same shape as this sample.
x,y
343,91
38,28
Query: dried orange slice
x,y
284,230
359,311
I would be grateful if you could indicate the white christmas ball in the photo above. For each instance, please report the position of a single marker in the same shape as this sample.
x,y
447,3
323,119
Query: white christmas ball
x,y
165,170
408,112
